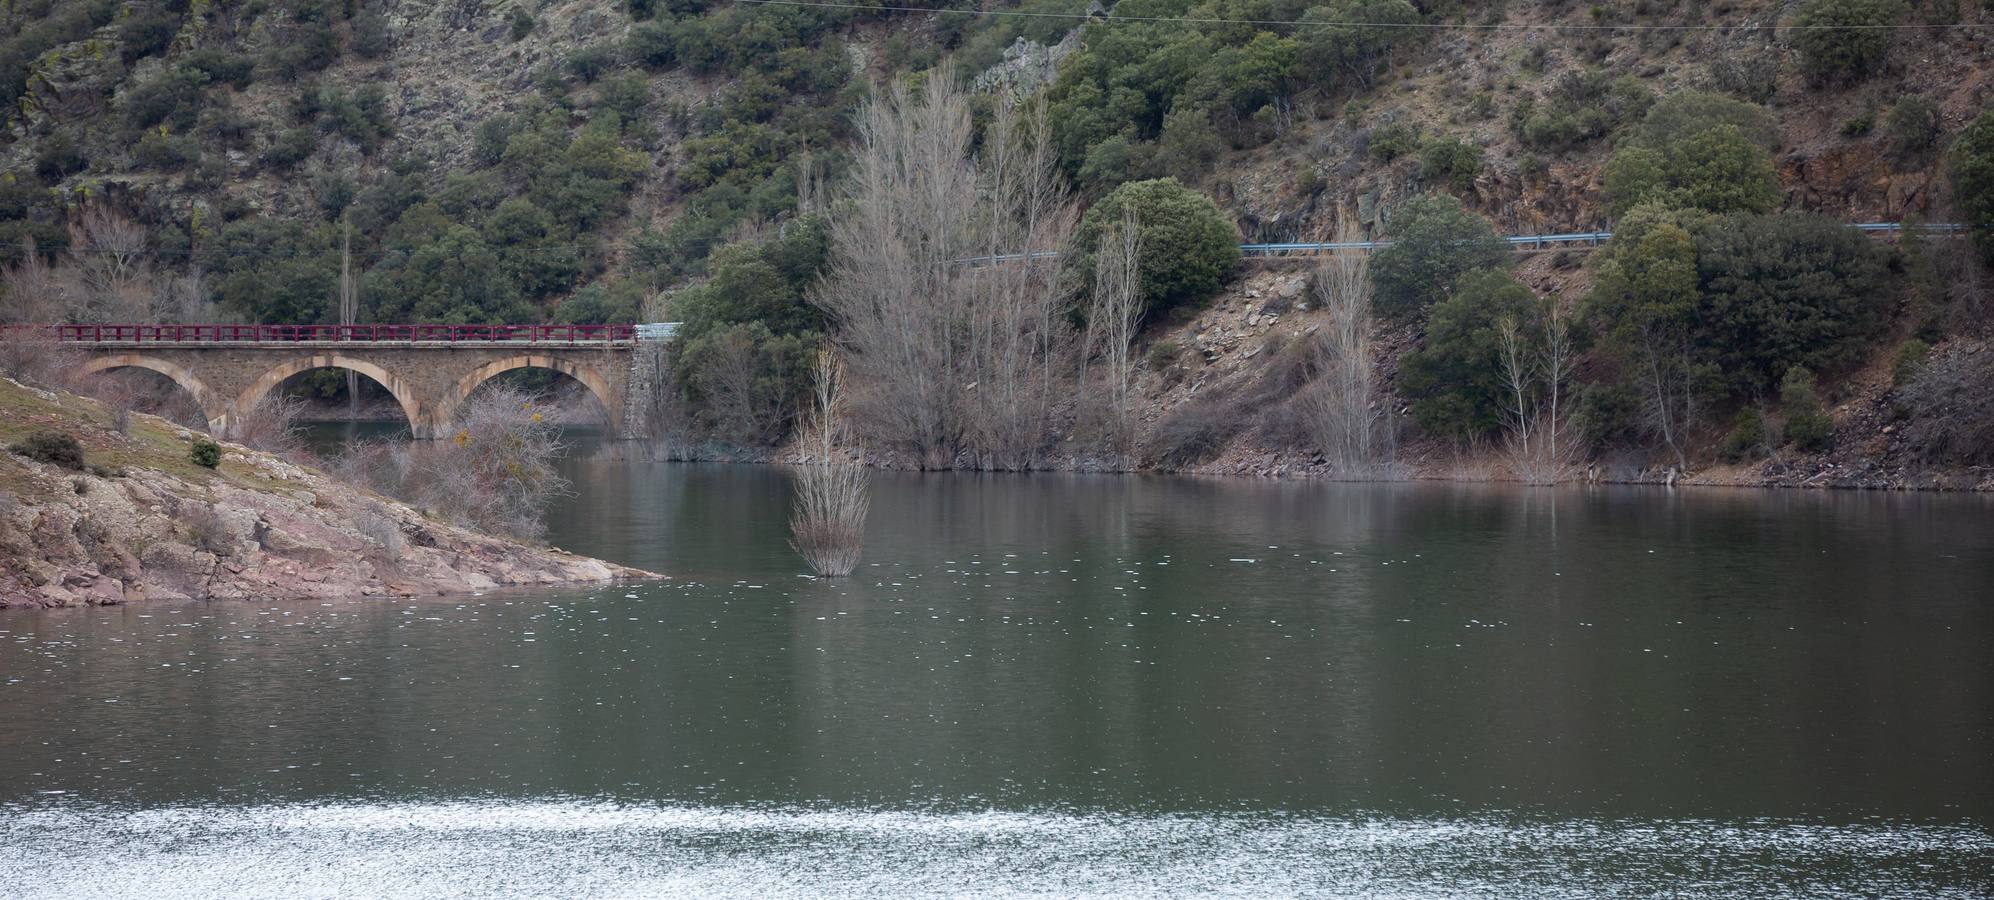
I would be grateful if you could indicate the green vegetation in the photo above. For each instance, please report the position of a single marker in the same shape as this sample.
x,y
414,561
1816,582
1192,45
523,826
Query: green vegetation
x,y
1841,40
1807,426
1718,170
1581,107
1780,292
1450,162
1188,247
1433,242
1143,99
1973,179
749,338
1748,437
1909,362
1913,127
204,453
56,448
1455,379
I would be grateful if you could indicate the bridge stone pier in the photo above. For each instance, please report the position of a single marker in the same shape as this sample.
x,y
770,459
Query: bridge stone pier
x,y
429,378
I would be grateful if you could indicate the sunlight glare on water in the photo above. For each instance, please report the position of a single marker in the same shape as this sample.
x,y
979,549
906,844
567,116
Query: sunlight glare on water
x,y
600,849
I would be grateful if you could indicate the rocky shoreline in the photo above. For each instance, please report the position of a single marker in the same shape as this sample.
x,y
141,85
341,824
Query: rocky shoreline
x,y
149,525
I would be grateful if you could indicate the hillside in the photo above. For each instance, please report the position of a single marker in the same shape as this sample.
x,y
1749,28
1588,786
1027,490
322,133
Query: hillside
x,y
587,160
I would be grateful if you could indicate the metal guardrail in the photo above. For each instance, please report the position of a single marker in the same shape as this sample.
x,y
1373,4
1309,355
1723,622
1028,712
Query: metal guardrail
x,y
1521,242
1540,241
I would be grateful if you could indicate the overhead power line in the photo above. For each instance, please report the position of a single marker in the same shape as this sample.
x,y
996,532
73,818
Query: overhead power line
x,y
1110,18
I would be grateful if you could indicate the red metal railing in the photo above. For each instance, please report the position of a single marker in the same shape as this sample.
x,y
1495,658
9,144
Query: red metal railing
x,y
361,334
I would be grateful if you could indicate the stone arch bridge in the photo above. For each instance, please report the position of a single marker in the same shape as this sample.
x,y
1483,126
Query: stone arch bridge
x,y
429,369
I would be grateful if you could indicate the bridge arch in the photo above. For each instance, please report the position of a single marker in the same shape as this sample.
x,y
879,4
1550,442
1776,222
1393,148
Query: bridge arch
x,y
404,393
213,405
597,385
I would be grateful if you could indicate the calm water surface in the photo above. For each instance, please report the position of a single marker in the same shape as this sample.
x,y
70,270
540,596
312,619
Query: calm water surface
x,y
1058,685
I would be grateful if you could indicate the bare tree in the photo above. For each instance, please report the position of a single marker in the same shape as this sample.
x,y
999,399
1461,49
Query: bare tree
x,y
1542,447
1353,433
110,276
828,525
349,310
106,276
33,356
1113,317
35,291
1018,338
949,348
117,397
739,403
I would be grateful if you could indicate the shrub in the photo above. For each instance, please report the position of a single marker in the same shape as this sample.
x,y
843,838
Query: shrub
x,y
361,117
1455,378
1951,407
206,529
222,66
147,31
627,94
1607,412
56,448
370,35
1579,108
1808,427
1193,432
1786,291
1189,247
1719,170
1752,74
164,151
307,47
172,97
520,21
652,45
1685,114
292,146
590,62
1748,436
496,471
1973,179
1912,128
59,158
1163,354
1860,124
1910,361
1450,162
1842,39
205,453
1433,241
1391,141
1359,39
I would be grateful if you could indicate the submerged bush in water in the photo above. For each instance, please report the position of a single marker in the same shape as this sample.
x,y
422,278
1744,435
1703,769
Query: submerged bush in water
x,y
828,526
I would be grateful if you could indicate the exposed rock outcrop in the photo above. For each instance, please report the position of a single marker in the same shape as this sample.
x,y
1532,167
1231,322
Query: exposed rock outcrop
x,y
256,528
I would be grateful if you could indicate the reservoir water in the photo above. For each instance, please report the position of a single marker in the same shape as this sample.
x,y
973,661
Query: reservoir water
x,y
1058,685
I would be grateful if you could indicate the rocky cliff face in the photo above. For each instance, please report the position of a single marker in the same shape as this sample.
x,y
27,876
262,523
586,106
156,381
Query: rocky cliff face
x,y
257,527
